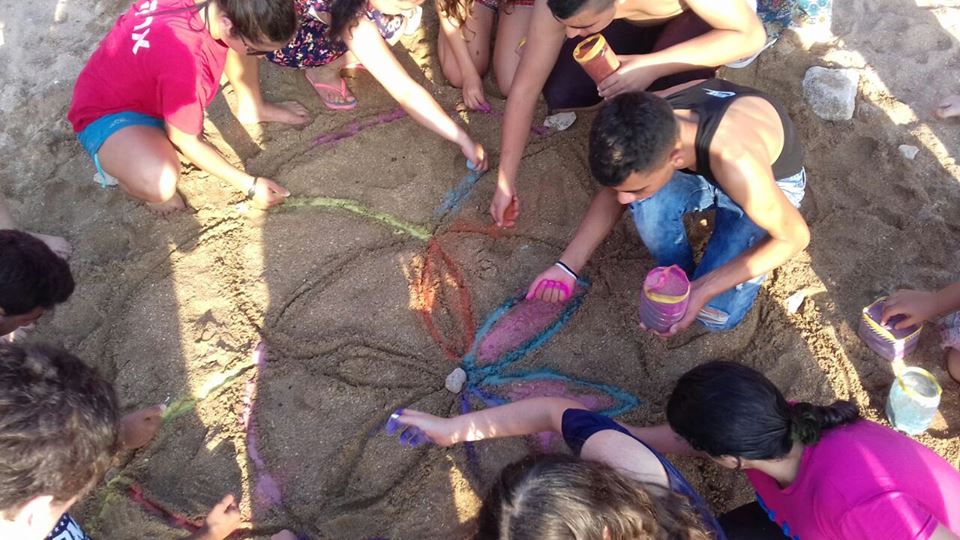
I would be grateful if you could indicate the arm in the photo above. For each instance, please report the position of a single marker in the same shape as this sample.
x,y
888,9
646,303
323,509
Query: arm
x,y
472,84
920,306
204,155
220,523
366,43
545,40
511,420
664,440
737,33
602,215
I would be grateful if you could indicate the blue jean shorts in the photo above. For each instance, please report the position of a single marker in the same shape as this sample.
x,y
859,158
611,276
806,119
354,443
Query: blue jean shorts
x,y
94,135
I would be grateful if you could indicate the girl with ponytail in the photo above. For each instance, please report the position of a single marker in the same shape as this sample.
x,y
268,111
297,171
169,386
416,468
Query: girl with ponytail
x,y
615,487
819,471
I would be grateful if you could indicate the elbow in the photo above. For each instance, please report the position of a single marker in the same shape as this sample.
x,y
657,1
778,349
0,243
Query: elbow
x,y
755,38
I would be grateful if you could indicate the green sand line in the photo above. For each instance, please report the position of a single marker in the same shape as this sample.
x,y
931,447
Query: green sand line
x,y
186,404
351,205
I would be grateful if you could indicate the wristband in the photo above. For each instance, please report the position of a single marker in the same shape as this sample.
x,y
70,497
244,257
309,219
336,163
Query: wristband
x,y
567,269
253,188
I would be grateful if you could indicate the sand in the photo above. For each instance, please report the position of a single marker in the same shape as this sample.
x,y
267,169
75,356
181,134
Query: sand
x,y
367,296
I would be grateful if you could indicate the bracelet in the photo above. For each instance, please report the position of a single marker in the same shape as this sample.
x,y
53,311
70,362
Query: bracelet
x,y
567,269
253,188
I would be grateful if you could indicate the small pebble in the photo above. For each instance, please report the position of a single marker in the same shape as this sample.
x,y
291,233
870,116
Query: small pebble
x,y
455,380
560,121
908,151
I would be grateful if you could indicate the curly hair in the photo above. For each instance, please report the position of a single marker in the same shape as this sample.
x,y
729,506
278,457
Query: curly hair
x,y
31,275
261,20
561,497
58,425
632,133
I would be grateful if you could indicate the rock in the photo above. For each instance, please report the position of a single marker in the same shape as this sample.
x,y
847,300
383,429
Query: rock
x,y
560,121
908,151
455,380
831,93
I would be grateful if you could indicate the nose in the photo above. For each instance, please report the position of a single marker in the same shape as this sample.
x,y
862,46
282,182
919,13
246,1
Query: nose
x,y
626,198
574,32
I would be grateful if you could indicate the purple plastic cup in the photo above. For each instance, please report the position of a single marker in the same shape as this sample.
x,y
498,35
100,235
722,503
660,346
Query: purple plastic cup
x,y
884,339
663,302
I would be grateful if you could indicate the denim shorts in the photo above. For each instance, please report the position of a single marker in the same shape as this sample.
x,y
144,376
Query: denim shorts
x,y
94,135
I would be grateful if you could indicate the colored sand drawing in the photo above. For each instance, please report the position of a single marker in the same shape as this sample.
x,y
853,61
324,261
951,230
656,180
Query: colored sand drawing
x,y
266,491
457,194
172,518
186,404
355,127
350,205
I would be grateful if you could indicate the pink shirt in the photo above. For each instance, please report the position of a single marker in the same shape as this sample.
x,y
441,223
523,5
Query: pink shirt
x,y
864,481
164,65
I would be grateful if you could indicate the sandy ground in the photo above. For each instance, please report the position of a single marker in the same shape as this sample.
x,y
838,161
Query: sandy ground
x,y
365,306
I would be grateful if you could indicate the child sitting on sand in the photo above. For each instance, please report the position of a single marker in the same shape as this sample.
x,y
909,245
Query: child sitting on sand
x,y
921,306
142,95
615,487
463,43
58,435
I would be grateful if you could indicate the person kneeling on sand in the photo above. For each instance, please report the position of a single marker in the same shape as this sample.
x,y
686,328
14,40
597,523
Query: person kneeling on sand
x,y
142,95
58,435
710,145
818,471
616,487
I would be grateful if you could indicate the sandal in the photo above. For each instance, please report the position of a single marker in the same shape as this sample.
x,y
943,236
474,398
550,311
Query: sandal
x,y
341,91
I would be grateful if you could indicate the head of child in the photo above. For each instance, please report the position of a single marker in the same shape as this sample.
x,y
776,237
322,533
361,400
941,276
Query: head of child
x,y
253,27
33,279
556,496
738,417
345,13
584,17
58,434
635,145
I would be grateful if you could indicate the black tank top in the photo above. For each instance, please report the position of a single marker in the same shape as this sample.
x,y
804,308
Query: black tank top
x,y
710,100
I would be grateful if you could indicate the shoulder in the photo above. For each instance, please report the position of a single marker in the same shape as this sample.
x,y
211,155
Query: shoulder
x,y
596,437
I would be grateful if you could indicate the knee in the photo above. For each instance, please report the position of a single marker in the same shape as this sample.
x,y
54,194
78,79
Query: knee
x,y
451,71
504,82
160,181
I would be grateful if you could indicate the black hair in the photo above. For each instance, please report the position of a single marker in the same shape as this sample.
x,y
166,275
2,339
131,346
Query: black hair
x,y
561,497
344,14
633,132
728,409
258,21
31,274
564,9
58,425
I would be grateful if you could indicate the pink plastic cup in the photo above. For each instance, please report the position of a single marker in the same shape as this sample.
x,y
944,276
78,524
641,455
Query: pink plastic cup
x,y
666,293
884,339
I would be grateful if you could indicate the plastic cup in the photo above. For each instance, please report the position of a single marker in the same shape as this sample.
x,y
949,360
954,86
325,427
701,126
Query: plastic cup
x,y
913,402
884,339
663,302
596,57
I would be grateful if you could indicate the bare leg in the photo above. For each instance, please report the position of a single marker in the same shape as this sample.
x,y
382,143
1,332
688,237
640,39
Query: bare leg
x,y
476,34
243,72
511,29
145,164
948,107
56,244
329,75
138,428
953,364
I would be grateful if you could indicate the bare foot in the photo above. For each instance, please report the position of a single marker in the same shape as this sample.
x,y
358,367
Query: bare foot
x,y
283,112
164,209
948,107
139,427
58,245
953,364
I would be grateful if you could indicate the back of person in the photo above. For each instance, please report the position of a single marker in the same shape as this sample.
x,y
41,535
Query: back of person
x,y
864,480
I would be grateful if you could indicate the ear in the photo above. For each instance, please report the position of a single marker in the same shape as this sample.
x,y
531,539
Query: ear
x,y
38,513
727,462
226,26
676,157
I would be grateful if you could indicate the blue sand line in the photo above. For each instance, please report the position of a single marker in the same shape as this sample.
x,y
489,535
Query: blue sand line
x,y
470,359
623,401
456,195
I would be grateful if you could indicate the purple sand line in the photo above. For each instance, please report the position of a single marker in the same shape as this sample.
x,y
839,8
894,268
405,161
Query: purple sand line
x,y
265,485
357,126
473,462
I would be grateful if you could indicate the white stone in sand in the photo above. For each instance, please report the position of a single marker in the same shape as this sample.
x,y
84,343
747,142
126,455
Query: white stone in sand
x,y
831,93
455,380
560,121
909,151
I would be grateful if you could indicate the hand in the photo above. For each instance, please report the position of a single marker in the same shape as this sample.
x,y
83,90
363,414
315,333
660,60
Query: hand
x,y
419,427
138,428
948,107
268,193
473,96
222,520
916,306
632,76
698,300
505,206
552,285
475,153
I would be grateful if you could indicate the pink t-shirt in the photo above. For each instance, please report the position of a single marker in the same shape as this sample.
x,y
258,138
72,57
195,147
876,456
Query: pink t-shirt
x,y
864,481
161,64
